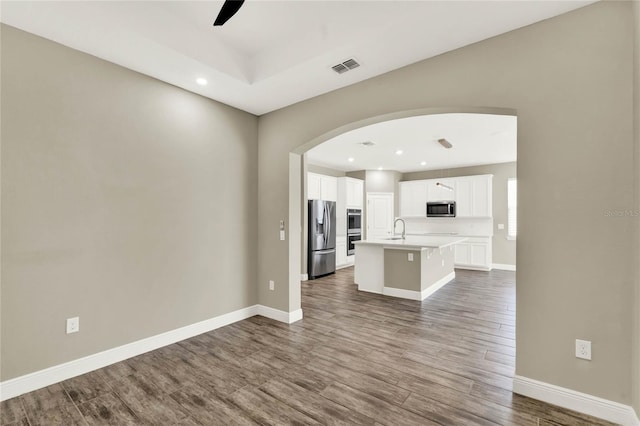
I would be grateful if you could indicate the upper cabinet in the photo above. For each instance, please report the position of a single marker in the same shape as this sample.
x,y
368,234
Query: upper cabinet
x,y
355,192
413,198
321,187
472,194
437,192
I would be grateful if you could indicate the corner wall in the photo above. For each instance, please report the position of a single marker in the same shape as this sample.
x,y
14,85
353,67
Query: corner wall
x,y
126,201
570,80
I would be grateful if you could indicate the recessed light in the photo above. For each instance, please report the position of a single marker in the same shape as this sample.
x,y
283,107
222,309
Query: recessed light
x,y
399,152
201,81
424,163
350,159
379,168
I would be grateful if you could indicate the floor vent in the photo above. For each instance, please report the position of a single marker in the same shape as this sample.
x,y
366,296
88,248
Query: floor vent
x,y
345,66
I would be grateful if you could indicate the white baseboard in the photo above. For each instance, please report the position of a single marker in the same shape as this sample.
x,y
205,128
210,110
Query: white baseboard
x,y
503,267
577,401
58,373
418,295
278,315
437,285
304,277
473,268
402,293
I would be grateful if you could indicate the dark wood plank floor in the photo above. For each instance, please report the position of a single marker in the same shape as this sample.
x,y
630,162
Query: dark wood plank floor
x,y
356,358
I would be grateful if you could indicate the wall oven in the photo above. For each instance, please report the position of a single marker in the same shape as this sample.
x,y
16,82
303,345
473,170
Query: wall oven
x,y
354,221
352,238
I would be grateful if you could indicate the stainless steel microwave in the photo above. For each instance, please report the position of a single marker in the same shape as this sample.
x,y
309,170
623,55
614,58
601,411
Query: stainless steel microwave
x,y
441,209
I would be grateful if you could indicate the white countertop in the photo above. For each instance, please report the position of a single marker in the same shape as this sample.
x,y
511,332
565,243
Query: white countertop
x,y
414,242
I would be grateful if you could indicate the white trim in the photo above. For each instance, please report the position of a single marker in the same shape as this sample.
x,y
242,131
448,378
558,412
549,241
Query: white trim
x,y
438,285
304,277
346,265
419,295
40,379
278,315
472,268
58,373
402,293
504,267
577,401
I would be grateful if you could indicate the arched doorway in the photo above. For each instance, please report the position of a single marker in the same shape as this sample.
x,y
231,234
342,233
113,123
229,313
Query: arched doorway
x,y
296,182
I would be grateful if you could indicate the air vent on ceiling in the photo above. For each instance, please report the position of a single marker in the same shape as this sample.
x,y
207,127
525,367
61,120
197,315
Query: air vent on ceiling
x,y
345,66
366,143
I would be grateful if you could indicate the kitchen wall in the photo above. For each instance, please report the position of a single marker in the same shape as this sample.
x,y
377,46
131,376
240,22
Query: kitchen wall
x,y
563,293
126,201
504,251
384,181
313,168
636,115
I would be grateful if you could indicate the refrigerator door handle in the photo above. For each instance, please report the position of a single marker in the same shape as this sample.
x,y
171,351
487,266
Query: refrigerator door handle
x,y
328,234
324,251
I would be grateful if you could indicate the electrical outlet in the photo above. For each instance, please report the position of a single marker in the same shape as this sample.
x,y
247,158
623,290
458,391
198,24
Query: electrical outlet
x,y
501,226
281,235
73,325
443,263
410,257
583,349
272,285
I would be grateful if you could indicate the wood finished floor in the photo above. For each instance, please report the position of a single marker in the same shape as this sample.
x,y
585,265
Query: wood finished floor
x,y
355,358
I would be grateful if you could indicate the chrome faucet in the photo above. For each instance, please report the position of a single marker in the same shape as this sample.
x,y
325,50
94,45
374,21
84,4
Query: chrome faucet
x,y
404,226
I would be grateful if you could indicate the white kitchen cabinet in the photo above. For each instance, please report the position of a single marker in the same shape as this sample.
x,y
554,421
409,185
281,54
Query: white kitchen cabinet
x,y
474,196
436,192
313,186
413,198
321,187
341,251
474,253
355,192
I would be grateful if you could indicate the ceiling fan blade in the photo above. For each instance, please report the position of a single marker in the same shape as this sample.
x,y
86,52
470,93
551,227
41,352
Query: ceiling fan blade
x,y
229,8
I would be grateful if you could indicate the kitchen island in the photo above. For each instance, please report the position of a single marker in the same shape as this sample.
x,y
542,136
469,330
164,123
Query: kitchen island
x,y
411,268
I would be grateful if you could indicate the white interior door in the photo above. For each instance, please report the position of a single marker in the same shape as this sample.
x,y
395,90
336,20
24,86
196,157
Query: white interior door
x,y
379,214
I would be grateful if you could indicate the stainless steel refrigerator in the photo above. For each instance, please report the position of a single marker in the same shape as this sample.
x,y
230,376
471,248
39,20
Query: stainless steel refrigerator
x,y
322,238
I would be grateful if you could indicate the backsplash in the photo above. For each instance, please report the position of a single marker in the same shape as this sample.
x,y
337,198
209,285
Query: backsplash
x,y
462,226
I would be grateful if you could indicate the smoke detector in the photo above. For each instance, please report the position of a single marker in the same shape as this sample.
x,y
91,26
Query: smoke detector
x,y
345,66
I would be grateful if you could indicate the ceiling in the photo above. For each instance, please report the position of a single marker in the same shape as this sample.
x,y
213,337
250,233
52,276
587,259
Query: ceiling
x,y
476,138
271,53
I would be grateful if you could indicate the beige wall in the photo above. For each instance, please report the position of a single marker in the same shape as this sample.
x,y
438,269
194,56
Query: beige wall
x,y
636,103
504,251
384,181
313,168
399,272
125,201
570,80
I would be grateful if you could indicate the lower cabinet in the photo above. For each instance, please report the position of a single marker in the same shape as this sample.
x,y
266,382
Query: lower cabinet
x,y
474,253
341,251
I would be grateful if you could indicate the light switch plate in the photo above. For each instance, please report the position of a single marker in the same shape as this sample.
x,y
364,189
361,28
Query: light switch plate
x,y
410,257
281,235
501,226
